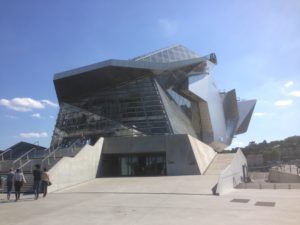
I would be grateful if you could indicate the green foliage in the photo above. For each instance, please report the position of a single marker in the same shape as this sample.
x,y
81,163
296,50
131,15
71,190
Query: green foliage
x,y
286,149
273,155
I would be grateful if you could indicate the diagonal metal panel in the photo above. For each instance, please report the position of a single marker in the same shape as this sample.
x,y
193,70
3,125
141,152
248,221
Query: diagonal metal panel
x,y
246,109
231,114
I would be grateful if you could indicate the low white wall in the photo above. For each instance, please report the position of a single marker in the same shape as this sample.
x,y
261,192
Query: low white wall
x,y
283,177
232,174
70,171
204,154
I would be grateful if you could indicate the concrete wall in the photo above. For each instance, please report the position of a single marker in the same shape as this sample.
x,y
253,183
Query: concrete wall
x,y
255,159
180,157
232,175
204,154
74,170
283,177
185,155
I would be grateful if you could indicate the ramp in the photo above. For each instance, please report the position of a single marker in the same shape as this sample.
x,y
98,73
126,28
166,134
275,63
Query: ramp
x,y
219,163
173,185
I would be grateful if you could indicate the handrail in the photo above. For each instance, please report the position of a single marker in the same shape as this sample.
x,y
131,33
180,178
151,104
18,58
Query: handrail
x,y
56,150
26,153
24,164
21,157
2,154
47,157
28,158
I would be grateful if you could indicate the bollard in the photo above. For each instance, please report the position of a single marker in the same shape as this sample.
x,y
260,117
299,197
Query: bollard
x,y
260,186
274,186
289,186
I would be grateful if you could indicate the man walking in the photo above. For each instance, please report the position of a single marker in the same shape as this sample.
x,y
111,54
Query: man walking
x,y
37,177
9,182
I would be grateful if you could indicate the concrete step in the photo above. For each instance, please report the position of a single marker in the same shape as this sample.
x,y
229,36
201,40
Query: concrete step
x,y
27,187
219,163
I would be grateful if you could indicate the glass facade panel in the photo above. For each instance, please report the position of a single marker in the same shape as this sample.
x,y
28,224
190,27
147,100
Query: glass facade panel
x,y
150,164
132,109
167,55
181,101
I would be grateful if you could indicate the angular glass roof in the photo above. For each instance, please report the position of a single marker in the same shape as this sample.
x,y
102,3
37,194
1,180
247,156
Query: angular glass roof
x,y
167,55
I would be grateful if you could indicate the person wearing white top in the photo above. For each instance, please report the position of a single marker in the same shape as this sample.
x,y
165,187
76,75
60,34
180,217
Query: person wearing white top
x,y
19,180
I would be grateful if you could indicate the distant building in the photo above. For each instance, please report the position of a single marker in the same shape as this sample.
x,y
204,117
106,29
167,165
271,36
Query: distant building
x,y
20,149
143,104
255,160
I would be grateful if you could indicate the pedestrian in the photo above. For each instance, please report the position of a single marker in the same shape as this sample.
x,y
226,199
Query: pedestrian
x,y
37,177
45,181
19,180
9,182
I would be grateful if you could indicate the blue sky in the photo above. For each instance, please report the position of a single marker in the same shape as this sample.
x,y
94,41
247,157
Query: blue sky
x,y
257,44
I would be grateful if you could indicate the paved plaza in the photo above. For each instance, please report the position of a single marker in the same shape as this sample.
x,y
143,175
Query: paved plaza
x,y
154,200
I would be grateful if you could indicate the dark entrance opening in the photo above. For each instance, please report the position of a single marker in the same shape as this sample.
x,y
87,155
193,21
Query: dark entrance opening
x,y
148,164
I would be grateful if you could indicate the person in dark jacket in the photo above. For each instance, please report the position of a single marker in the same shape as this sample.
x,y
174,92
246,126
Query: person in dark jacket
x,y
9,182
37,177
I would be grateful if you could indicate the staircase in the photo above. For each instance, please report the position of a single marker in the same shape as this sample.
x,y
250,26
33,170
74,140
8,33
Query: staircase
x,y
27,187
219,163
26,164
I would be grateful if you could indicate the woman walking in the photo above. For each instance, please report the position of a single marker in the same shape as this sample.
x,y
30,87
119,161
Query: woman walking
x,y
45,181
19,180
9,182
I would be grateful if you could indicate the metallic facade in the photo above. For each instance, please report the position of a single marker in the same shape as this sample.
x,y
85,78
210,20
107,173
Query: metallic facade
x,y
166,92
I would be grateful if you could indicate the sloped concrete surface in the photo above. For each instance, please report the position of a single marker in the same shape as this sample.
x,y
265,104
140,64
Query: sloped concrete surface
x,y
74,170
102,202
232,175
219,163
197,184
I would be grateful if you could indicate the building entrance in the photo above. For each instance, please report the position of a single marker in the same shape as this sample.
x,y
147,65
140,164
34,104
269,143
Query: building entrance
x,y
153,164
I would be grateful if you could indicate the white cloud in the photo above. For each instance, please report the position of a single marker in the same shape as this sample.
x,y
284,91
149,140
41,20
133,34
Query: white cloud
x,y
49,103
288,84
25,104
36,115
21,104
259,114
33,135
169,27
51,117
295,93
284,102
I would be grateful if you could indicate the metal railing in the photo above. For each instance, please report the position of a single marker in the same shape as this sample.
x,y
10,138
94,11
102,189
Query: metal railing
x,y
48,155
3,153
288,168
53,155
24,164
25,156
266,185
31,155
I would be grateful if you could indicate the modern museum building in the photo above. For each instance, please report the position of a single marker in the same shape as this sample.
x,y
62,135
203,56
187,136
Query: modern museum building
x,y
159,114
